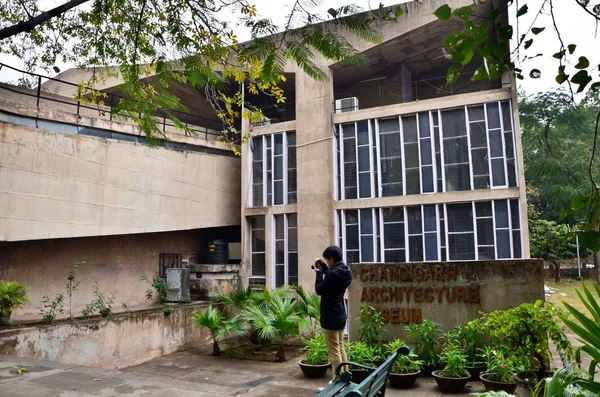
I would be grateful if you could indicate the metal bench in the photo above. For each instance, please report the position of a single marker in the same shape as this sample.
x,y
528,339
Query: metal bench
x,y
373,386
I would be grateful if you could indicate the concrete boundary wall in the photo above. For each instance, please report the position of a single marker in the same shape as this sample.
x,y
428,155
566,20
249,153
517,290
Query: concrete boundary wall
x,y
448,293
116,342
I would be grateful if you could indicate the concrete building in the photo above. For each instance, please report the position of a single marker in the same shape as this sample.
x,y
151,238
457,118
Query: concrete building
x,y
386,161
76,186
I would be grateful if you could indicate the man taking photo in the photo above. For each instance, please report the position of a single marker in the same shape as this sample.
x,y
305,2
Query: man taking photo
x,y
333,277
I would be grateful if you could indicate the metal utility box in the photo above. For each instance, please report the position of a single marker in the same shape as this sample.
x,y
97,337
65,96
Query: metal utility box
x,y
178,282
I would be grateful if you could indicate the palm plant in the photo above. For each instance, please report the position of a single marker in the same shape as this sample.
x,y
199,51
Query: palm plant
x,y
12,296
219,327
310,309
273,320
588,332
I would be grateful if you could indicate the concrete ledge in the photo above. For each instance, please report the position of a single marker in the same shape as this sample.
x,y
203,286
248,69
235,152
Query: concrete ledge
x,y
116,342
216,268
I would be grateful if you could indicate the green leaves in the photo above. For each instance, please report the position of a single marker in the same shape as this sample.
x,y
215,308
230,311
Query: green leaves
x,y
582,78
523,10
583,63
443,13
399,11
537,31
453,74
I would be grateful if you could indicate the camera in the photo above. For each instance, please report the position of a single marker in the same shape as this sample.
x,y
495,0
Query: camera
x,y
319,265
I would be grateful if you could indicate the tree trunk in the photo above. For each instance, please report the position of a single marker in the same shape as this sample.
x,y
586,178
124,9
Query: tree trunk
x,y
597,266
556,271
216,349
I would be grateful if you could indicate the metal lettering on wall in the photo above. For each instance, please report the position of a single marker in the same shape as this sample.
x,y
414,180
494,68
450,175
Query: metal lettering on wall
x,y
388,292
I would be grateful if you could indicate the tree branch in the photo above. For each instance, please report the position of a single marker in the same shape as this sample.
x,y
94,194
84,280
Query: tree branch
x,y
28,26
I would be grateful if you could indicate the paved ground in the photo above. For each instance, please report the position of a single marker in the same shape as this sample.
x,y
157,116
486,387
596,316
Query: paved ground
x,y
184,374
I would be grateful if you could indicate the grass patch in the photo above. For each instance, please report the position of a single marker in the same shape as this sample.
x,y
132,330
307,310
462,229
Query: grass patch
x,y
565,292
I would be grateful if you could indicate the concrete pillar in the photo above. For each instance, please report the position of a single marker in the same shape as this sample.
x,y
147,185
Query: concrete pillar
x,y
314,137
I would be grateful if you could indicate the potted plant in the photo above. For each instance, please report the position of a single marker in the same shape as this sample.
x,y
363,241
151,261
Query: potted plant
x,y
473,344
317,361
499,373
405,369
12,296
526,331
371,326
358,352
425,337
454,376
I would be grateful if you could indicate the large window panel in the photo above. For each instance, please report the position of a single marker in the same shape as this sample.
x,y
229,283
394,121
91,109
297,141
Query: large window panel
x,y
349,154
274,169
365,166
430,231
426,149
461,233
411,155
496,144
443,232
502,218
367,236
257,172
394,241
485,231
292,183
415,234
390,152
479,147
509,141
515,216
456,150
257,248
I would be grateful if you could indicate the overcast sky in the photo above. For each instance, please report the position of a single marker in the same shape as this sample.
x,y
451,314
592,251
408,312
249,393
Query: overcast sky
x,y
576,28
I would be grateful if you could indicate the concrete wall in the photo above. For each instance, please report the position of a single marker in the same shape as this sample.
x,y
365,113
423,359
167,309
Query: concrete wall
x,y
116,342
116,263
55,185
446,293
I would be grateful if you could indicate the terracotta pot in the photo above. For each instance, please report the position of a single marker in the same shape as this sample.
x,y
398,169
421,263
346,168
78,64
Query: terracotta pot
x,y
428,369
476,370
403,381
313,371
450,384
358,375
528,380
491,385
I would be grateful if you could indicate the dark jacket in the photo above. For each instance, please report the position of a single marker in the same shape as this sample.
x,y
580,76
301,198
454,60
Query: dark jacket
x,y
332,289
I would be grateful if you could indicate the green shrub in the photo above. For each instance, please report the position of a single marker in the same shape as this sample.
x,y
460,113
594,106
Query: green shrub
x,y
12,296
316,351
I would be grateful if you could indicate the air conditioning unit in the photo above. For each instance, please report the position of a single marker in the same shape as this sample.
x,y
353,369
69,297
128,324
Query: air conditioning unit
x,y
346,105
264,121
178,284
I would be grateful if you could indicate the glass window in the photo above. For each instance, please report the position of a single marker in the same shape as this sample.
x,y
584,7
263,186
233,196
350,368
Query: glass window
x,y
461,235
391,157
411,155
257,171
349,147
291,160
257,236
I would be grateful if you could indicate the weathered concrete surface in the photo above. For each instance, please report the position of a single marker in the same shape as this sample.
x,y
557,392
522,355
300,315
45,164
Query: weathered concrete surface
x,y
446,293
184,374
209,280
116,263
116,342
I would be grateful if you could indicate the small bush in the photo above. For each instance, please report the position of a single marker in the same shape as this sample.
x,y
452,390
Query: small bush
x,y
52,307
102,304
12,296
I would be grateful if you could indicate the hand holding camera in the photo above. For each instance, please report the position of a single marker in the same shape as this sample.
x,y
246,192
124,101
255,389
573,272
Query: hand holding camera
x,y
319,265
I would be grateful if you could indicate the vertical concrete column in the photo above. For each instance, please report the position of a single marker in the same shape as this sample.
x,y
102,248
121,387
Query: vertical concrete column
x,y
245,203
520,167
314,136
